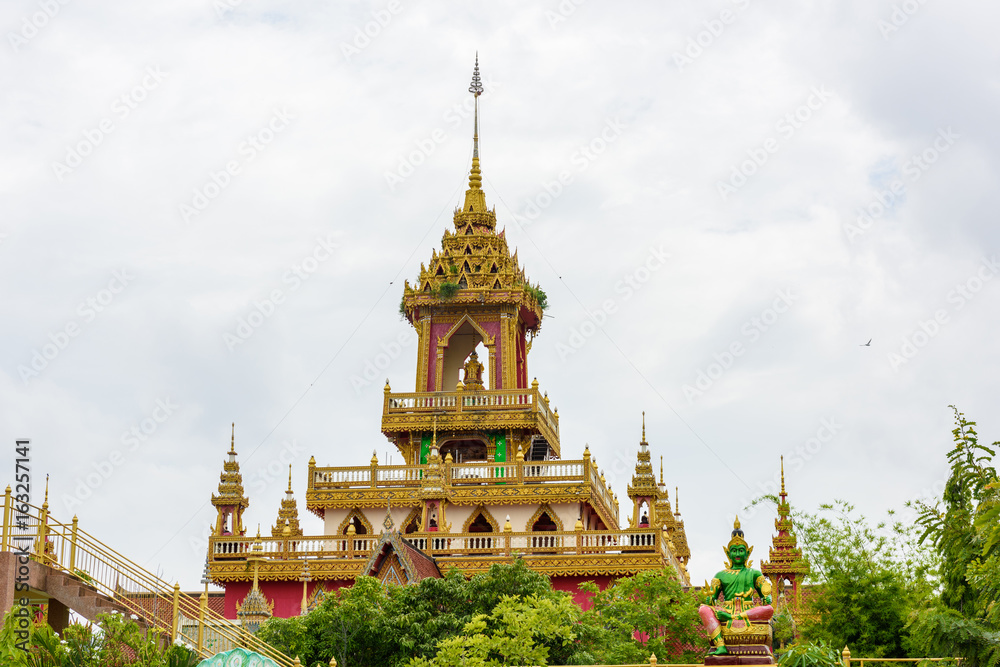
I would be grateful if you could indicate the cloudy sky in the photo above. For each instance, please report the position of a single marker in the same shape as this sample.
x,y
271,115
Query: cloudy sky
x,y
210,207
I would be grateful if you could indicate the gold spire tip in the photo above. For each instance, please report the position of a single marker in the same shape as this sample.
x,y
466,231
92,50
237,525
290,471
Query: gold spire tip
x,y
736,523
289,477
644,426
783,476
46,489
661,469
232,440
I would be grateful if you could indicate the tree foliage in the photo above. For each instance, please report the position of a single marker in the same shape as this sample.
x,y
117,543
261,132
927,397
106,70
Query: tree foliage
x,y
508,615
118,642
964,529
870,579
648,613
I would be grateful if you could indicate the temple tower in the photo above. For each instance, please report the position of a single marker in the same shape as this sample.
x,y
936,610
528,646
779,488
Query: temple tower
x,y
643,490
473,295
786,567
230,503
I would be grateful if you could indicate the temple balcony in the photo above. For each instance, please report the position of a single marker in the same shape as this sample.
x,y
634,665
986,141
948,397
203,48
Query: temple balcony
x,y
491,409
582,552
518,482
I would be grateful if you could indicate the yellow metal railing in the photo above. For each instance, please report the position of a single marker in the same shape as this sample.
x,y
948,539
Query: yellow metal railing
x,y
161,605
860,662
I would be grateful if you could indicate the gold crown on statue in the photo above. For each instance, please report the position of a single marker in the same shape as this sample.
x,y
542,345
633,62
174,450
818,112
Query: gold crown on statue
x,y
737,536
737,539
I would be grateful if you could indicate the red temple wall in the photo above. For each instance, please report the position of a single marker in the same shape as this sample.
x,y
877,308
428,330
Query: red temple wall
x,y
286,595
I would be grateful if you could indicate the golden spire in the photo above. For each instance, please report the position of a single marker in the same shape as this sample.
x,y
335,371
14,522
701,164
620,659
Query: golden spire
x,y
475,198
643,426
46,503
289,478
661,469
736,523
476,88
232,441
677,501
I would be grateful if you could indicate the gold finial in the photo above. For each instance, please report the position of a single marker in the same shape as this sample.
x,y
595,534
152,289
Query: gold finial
x,y
374,460
643,426
661,469
677,501
289,477
232,440
333,662
783,494
46,490
434,439
736,524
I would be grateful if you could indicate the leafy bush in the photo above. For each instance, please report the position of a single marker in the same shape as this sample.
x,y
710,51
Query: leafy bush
x,y
538,294
806,654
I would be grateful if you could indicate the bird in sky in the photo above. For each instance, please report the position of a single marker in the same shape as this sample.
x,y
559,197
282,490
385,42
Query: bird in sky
x,y
868,344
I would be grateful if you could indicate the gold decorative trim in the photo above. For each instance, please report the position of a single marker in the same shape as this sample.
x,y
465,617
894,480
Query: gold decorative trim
x,y
414,514
481,509
543,509
362,519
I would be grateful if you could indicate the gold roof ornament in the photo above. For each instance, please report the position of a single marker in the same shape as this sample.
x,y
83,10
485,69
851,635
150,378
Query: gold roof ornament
x,y
288,514
255,608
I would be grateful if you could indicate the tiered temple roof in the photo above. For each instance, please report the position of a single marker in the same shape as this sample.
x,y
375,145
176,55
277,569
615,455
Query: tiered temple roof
x,y
785,560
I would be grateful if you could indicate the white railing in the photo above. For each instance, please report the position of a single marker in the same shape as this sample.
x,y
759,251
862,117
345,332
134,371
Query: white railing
x,y
397,474
477,472
344,476
549,469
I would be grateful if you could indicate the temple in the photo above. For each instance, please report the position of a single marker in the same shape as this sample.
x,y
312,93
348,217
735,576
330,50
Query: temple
x,y
483,478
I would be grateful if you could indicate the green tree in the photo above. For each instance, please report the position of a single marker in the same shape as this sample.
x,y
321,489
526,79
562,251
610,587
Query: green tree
x,y
869,578
371,624
643,614
964,528
519,631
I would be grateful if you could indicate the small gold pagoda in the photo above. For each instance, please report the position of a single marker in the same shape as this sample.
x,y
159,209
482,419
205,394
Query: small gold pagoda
x,y
482,480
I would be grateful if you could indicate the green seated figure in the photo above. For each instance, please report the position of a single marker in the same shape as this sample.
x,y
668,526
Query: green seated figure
x,y
738,583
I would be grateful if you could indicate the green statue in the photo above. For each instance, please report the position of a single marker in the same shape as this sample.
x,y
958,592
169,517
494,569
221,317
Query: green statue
x,y
738,583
